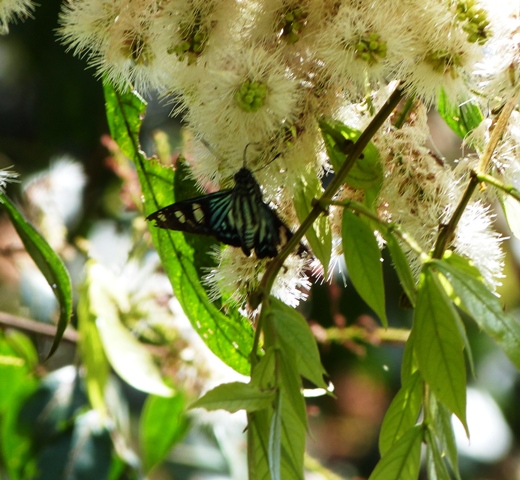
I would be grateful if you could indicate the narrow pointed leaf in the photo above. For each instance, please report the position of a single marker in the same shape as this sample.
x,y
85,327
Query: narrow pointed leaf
x,y
295,332
157,436
435,465
402,267
275,440
438,344
48,262
402,413
363,260
403,460
484,307
236,396
229,335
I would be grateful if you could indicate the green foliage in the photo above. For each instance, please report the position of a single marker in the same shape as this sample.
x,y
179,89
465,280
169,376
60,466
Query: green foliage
x,y
438,344
163,423
228,336
403,460
319,235
462,118
48,262
363,259
367,172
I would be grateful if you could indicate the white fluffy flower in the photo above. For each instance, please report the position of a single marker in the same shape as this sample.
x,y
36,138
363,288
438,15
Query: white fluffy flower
x,y
11,10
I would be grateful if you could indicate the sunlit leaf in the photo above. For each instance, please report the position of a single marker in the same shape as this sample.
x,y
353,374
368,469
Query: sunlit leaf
x,y
438,344
403,460
235,396
48,262
462,117
226,332
363,259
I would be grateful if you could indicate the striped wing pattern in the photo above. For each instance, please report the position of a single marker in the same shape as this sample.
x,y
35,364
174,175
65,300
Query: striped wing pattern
x,y
237,217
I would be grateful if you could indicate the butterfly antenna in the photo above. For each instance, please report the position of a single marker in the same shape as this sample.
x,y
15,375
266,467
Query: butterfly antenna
x,y
245,151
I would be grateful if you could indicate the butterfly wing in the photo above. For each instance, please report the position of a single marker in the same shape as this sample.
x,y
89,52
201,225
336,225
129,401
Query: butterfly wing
x,y
206,215
271,235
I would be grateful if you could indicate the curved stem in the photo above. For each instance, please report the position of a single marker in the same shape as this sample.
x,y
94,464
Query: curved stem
x,y
357,149
447,232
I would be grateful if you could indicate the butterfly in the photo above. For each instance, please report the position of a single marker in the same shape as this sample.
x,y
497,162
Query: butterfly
x,y
238,217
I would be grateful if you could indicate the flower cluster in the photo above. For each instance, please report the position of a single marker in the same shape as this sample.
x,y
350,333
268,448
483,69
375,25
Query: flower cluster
x,y
262,72
12,10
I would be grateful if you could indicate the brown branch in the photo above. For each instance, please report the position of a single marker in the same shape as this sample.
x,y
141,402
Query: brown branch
x,y
32,326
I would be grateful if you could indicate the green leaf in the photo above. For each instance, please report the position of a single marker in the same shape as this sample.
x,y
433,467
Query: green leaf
x,y
262,375
95,362
258,444
294,331
403,460
367,173
157,436
511,207
484,307
290,381
402,267
227,333
402,413
319,235
438,344
462,118
435,465
275,439
236,396
409,364
293,441
363,260
48,262
443,430
128,357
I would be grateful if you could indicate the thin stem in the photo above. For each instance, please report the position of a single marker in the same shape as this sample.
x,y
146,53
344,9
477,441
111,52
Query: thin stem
x,y
509,189
447,232
382,225
376,336
32,326
496,134
337,182
404,113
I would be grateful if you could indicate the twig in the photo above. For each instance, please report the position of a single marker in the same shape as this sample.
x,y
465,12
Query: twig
x,y
32,326
337,182
376,336
447,232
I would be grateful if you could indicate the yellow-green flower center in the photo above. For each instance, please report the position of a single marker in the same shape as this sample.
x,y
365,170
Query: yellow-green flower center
x,y
474,20
251,96
371,48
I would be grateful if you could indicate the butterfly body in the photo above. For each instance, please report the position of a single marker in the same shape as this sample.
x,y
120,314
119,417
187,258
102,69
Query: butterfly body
x,y
238,217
